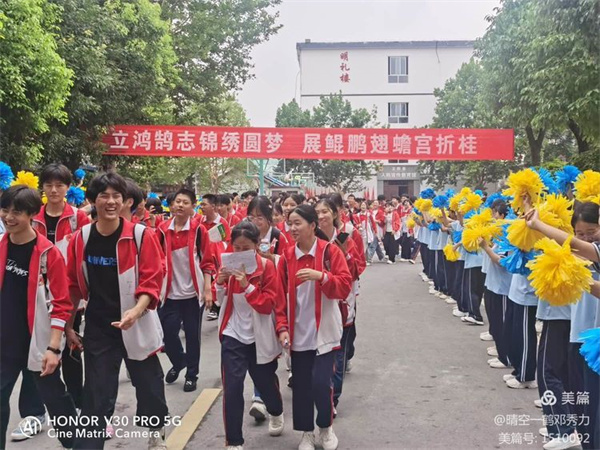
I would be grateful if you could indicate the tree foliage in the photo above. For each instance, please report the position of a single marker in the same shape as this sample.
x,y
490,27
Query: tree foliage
x,y
331,112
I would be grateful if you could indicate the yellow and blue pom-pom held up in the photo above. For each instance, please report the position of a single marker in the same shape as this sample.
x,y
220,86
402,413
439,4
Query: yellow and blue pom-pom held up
x,y
451,254
557,275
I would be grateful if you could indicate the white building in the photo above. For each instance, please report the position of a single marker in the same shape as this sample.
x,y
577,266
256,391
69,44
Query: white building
x,y
396,78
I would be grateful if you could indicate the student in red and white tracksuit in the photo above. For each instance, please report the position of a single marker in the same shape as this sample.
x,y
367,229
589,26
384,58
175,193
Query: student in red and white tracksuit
x,y
289,203
249,343
117,267
392,233
34,307
330,225
315,277
225,210
367,228
187,287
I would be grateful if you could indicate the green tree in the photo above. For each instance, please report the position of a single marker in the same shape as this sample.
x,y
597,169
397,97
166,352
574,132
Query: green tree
x,y
34,79
331,112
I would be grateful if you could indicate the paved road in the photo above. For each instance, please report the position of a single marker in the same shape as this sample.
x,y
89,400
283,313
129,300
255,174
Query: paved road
x,y
419,380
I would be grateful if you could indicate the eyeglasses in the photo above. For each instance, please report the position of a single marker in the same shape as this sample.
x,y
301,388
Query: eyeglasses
x,y
257,219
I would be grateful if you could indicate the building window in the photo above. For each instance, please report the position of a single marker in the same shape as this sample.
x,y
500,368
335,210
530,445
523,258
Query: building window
x,y
398,112
398,69
397,161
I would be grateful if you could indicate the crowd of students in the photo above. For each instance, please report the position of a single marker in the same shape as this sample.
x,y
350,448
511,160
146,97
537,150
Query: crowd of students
x,y
481,249
136,271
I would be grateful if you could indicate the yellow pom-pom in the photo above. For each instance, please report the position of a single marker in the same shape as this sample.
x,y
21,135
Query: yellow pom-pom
x,y
558,276
524,182
410,223
454,203
587,187
558,212
470,238
44,198
26,178
470,203
423,204
484,218
436,213
451,254
464,192
521,236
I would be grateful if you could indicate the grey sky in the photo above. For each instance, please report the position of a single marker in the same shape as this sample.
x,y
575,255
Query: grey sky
x,y
276,66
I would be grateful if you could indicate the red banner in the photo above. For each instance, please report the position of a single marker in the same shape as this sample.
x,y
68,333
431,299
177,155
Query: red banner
x,y
311,143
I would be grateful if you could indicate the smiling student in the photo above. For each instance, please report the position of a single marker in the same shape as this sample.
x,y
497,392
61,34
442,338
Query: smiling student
x,y
32,277
117,267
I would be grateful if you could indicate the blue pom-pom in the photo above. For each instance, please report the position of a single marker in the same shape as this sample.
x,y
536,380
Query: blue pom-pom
x,y
75,196
548,180
479,192
441,201
495,196
590,349
457,236
153,195
472,213
428,193
434,226
517,259
165,204
417,212
79,174
6,176
566,177
450,193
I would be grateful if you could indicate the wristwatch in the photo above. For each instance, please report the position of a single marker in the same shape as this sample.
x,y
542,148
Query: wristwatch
x,y
56,351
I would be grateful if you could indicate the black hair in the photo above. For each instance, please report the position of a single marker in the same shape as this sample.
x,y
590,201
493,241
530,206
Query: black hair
x,y
102,182
587,212
277,208
246,229
188,193
298,199
153,201
170,198
135,193
334,209
500,207
309,214
337,199
223,200
381,198
22,198
56,172
263,205
351,195
210,198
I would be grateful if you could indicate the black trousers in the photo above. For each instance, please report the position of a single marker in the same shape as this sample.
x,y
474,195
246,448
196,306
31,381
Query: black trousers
x,y
30,401
405,246
351,339
341,358
523,341
425,258
172,314
473,287
495,307
503,343
237,359
457,285
450,268
312,387
584,379
50,388
73,370
103,356
441,279
553,374
390,245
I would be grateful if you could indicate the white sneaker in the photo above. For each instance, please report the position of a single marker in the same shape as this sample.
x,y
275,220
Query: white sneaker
x,y
412,261
497,365
276,425
432,290
491,360
211,315
308,441
368,264
28,427
234,447
258,410
513,383
348,366
508,376
473,321
450,301
486,336
327,438
457,313
431,283
464,318
389,262
537,403
157,440
492,351
403,259
544,432
564,442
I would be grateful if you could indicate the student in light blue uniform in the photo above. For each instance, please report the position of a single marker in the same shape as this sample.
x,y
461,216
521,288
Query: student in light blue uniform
x,y
441,264
434,242
473,286
585,314
425,239
457,293
523,338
